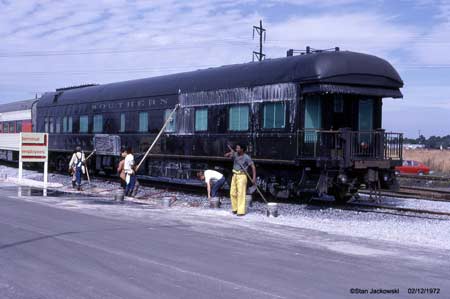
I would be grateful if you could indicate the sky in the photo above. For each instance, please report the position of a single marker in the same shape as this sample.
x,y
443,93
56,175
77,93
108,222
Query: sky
x,y
49,44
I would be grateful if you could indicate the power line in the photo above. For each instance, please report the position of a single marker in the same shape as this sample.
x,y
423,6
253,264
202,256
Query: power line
x,y
104,71
179,46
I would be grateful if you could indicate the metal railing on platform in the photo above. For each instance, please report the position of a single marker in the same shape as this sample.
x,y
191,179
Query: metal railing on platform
x,y
345,144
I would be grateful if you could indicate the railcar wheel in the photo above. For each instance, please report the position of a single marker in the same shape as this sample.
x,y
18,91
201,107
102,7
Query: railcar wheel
x,y
340,194
61,165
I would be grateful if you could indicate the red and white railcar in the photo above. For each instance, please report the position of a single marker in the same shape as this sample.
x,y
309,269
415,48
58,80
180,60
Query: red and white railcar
x,y
15,117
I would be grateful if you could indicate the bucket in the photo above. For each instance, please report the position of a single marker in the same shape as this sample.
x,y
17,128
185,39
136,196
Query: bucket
x,y
119,195
248,201
272,209
166,202
214,203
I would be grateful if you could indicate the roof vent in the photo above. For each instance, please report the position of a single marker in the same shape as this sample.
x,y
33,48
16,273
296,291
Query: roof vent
x,y
56,96
309,50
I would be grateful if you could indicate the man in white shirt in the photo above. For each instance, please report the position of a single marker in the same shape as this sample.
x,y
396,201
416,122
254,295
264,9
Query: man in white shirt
x,y
212,178
76,165
128,167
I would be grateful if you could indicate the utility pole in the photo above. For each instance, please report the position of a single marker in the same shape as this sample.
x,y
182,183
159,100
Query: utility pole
x,y
261,31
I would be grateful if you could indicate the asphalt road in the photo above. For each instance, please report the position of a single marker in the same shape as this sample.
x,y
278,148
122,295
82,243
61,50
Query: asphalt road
x,y
112,251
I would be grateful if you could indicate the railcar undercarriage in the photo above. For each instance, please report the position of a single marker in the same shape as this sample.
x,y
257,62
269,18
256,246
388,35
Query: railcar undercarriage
x,y
336,163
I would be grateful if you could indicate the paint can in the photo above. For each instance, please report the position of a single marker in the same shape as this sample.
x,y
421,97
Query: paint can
x,y
166,202
272,209
119,195
214,203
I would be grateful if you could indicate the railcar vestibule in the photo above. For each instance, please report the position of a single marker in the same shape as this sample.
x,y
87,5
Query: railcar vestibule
x,y
337,111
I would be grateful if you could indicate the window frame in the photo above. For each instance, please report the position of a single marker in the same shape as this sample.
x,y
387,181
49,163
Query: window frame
x,y
338,102
18,125
69,124
123,122
87,123
65,124
201,109
58,125
139,122
172,125
51,124
46,124
263,115
94,127
229,117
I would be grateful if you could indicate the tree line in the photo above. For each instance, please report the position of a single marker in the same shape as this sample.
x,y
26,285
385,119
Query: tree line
x,y
433,142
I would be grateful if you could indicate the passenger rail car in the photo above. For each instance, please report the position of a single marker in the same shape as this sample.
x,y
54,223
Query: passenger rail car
x,y
14,118
312,122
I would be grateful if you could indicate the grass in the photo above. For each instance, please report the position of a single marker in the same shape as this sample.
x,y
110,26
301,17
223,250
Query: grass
x,y
438,161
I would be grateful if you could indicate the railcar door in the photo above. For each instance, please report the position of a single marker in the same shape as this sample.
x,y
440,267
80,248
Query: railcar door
x,y
313,123
365,119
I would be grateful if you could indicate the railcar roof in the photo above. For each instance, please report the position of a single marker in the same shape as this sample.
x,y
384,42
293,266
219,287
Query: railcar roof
x,y
339,68
16,106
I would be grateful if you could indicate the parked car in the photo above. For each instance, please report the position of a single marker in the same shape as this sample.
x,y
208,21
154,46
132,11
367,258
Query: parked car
x,y
412,167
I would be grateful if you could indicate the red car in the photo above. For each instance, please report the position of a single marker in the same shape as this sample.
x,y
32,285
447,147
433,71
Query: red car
x,y
412,167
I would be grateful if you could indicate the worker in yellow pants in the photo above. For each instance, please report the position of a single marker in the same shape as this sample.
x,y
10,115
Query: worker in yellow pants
x,y
238,191
238,188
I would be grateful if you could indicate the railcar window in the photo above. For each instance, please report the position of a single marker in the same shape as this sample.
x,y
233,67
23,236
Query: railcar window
x,y
122,122
65,124
18,126
46,124
338,102
171,125
5,128
143,121
58,125
201,119
12,127
238,118
51,124
69,124
1,127
98,123
84,124
274,115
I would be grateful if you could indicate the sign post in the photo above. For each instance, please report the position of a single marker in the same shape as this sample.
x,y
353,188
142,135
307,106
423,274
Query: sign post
x,y
34,148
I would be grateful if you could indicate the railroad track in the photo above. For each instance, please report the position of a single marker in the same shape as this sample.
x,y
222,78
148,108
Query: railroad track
x,y
424,177
416,193
408,212
404,192
366,207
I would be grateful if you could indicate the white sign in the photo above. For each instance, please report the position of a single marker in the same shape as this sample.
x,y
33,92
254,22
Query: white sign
x,y
34,148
